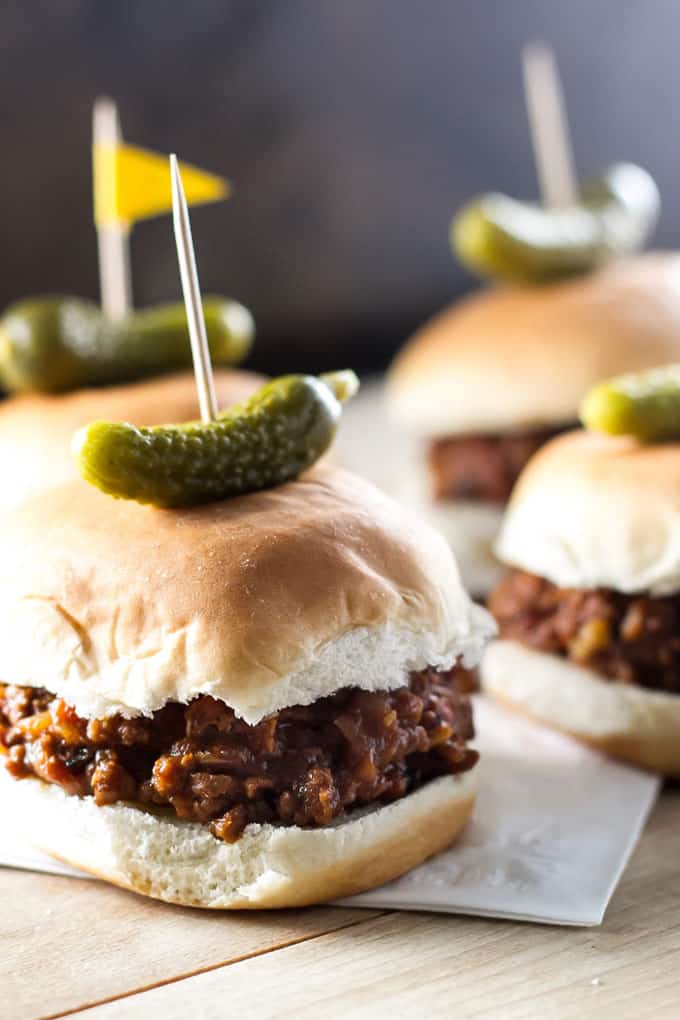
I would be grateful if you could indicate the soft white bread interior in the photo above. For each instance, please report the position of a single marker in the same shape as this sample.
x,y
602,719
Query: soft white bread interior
x,y
522,357
592,511
272,599
284,866
36,430
629,722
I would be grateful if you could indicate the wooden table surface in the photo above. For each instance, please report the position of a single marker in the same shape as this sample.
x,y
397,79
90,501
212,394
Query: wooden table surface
x,y
84,949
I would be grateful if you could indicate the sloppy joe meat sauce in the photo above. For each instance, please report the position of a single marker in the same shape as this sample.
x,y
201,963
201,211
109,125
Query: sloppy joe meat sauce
x,y
482,467
632,639
303,766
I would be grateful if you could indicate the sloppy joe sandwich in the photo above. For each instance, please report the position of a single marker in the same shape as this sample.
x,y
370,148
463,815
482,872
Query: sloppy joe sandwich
x,y
589,608
258,702
492,378
36,429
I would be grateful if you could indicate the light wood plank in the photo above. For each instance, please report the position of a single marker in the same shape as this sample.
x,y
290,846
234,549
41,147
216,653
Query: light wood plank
x,y
403,965
68,943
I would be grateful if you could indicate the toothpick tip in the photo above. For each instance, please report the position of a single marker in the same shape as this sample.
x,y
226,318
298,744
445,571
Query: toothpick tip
x,y
192,296
105,121
548,125
537,49
175,177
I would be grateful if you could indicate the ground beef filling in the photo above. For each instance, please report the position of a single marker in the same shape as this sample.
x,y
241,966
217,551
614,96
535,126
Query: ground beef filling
x,y
632,639
304,766
482,467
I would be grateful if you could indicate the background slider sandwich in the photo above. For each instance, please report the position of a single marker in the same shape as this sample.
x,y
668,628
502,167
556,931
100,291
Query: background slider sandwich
x,y
492,378
589,611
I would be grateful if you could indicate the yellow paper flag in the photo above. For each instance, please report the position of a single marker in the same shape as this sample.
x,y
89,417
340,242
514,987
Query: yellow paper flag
x,y
132,184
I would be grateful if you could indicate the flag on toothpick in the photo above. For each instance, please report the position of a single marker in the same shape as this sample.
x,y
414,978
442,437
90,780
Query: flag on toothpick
x,y
132,184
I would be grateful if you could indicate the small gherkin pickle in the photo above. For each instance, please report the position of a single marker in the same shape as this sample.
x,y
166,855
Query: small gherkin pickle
x,y
645,405
503,238
267,440
52,344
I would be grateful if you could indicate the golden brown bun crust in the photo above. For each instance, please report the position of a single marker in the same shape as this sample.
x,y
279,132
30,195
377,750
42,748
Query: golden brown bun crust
x,y
632,723
36,430
272,599
268,867
523,357
594,511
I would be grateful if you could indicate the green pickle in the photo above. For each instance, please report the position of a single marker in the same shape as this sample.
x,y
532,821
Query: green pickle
x,y
267,440
503,238
52,344
645,405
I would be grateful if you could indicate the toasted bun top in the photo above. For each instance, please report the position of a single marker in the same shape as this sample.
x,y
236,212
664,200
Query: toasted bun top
x,y
523,357
593,511
272,599
36,430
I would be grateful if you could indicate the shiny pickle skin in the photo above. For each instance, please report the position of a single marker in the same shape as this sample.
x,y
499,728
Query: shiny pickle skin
x,y
47,344
52,344
265,441
503,238
645,405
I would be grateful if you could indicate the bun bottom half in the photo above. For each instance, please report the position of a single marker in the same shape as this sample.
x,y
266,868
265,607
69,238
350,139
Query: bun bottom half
x,y
635,724
268,867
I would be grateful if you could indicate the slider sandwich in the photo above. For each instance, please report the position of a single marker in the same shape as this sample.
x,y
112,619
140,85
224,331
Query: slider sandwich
x,y
487,381
492,378
258,701
589,607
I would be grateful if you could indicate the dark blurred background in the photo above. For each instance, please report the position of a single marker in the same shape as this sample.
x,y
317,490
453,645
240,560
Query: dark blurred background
x,y
351,130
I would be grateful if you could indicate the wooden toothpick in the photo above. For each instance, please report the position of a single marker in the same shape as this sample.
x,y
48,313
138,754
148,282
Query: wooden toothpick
x,y
186,255
113,241
549,126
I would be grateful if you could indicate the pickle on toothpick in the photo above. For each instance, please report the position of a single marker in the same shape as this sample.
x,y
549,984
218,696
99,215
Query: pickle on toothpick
x,y
269,439
52,344
645,405
503,238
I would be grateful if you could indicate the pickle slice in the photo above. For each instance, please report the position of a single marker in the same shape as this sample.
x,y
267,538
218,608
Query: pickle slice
x,y
504,238
645,405
52,344
269,439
